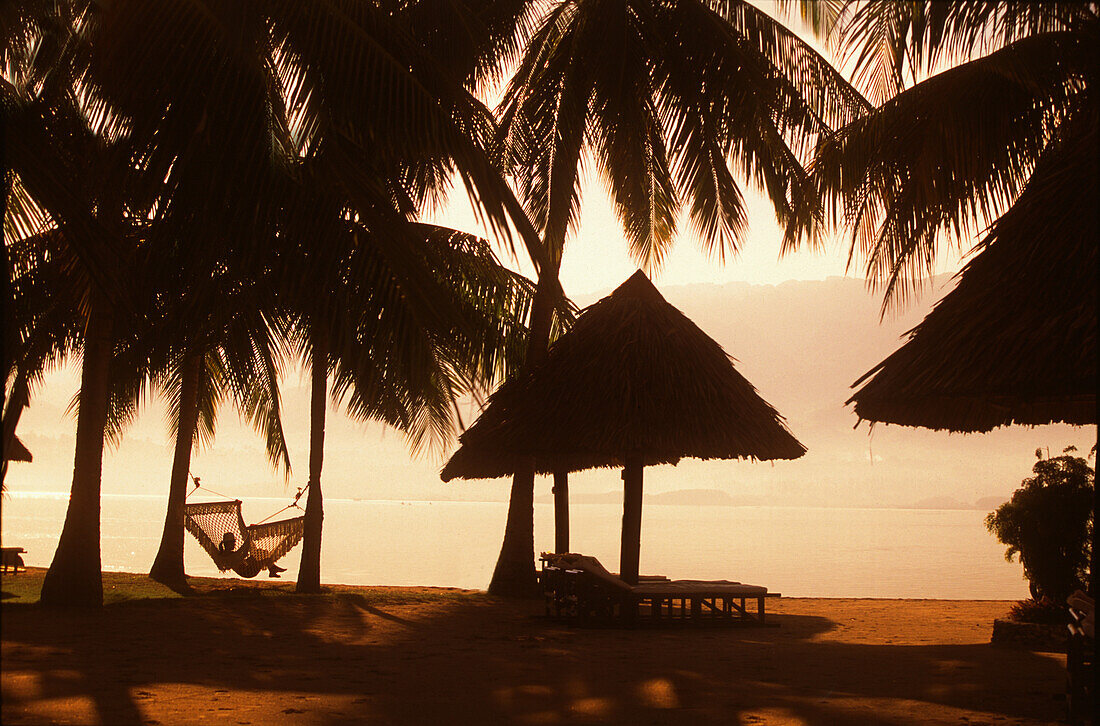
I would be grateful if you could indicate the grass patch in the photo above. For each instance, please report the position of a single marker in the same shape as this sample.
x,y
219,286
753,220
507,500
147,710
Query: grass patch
x,y
120,587
24,588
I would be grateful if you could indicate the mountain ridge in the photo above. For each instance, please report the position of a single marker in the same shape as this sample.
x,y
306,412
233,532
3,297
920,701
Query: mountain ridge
x,y
800,343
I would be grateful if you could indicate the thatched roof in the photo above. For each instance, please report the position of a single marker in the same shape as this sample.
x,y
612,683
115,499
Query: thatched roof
x,y
633,376
1015,341
18,451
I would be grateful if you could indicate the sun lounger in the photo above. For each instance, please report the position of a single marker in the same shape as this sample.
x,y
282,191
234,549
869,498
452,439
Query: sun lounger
x,y
1081,657
10,558
580,589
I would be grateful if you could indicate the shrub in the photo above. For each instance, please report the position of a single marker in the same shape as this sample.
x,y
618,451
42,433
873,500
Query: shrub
x,y
1044,610
1048,523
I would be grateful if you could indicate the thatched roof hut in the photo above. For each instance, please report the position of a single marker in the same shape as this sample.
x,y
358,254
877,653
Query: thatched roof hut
x,y
17,452
633,383
1015,341
633,376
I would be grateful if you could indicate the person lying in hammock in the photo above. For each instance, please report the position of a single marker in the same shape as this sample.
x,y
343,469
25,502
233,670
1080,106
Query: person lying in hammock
x,y
228,547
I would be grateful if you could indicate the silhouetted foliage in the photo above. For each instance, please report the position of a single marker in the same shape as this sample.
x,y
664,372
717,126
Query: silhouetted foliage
x,y
1043,610
1048,523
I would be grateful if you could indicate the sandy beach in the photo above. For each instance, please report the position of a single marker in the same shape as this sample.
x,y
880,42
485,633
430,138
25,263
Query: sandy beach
x,y
250,653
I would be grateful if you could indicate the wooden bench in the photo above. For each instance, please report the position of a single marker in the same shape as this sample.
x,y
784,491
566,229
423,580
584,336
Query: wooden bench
x,y
10,559
578,588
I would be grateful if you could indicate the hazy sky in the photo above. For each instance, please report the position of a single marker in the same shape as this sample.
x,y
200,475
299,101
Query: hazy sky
x,y
597,258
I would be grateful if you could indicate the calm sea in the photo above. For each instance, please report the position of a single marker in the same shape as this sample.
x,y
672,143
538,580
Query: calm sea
x,y
798,551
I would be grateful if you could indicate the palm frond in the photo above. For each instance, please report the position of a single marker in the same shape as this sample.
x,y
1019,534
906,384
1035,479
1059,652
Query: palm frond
x,y
250,365
477,41
893,45
666,98
947,155
820,15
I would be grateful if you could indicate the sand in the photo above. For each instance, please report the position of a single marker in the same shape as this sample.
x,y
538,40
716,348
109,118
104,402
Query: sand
x,y
242,654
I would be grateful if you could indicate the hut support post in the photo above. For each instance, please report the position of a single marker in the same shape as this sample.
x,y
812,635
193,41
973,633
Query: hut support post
x,y
561,511
632,520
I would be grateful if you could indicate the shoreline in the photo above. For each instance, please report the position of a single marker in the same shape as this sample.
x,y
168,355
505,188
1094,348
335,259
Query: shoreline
x,y
804,551
250,652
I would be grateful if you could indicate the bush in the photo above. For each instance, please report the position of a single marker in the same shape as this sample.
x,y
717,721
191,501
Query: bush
x,y
1040,611
1048,523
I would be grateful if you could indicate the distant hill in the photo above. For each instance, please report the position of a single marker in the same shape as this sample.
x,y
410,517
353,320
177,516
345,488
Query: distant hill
x,y
801,344
678,497
985,504
988,504
696,497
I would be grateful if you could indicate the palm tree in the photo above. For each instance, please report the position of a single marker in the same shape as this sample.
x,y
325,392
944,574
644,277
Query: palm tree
x,y
201,150
402,336
947,152
221,347
60,168
672,102
391,347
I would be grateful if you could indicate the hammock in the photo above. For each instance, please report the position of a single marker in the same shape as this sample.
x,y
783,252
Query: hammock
x,y
258,546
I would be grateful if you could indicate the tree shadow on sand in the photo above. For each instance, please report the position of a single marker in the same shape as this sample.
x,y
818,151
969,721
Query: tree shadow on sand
x,y
348,658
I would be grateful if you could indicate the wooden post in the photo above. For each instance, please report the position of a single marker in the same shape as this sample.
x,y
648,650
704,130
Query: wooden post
x,y
561,511
632,520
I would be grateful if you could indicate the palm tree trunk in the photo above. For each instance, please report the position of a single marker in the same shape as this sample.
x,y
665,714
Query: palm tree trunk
x,y
168,565
17,401
514,574
75,577
309,572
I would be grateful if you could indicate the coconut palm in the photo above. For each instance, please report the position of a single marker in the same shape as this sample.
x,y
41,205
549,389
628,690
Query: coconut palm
x,y
204,153
61,165
408,340
195,359
672,103
972,96
402,332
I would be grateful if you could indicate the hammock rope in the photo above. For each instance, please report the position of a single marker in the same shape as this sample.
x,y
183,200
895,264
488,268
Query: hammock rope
x,y
246,549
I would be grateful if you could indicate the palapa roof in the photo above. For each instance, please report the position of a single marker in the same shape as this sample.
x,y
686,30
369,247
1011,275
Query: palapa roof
x,y
18,451
633,376
1015,341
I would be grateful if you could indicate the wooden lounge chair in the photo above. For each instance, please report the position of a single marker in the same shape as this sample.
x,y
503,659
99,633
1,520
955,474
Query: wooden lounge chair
x,y
580,589
1081,657
11,558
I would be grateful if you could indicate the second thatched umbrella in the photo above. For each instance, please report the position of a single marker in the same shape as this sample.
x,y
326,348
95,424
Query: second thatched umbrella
x,y
634,383
1015,341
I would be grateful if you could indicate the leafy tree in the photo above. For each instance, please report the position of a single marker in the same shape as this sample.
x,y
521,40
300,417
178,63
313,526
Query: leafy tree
x,y
1048,523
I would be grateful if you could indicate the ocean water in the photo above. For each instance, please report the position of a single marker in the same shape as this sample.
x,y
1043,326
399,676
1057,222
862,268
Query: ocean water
x,y
798,551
